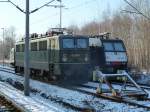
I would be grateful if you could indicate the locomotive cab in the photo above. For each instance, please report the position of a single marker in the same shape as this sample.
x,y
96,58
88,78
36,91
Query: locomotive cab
x,y
107,54
115,55
74,54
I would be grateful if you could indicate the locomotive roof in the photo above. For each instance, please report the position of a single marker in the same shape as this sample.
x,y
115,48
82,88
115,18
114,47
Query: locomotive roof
x,y
74,36
110,40
37,39
50,37
95,41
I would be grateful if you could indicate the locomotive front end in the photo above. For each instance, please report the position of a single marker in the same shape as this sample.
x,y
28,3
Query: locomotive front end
x,y
107,55
75,59
115,55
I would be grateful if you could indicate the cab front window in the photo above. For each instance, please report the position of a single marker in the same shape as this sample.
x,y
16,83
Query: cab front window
x,y
119,47
108,46
68,43
113,46
81,43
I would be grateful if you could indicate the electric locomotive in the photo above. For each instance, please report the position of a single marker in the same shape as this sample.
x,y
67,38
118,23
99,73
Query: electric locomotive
x,y
56,56
107,54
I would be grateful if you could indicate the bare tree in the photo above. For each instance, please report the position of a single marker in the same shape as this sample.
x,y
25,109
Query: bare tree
x,y
1,49
74,29
9,36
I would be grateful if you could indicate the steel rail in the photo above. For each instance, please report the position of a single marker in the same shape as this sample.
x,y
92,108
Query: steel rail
x,y
115,99
9,106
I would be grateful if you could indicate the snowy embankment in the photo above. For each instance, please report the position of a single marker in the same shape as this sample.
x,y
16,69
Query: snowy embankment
x,y
143,79
24,103
55,95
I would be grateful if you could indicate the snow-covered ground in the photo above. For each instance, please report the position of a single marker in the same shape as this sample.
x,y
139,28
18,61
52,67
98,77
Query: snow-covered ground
x,y
118,87
25,103
7,67
54,96
144,79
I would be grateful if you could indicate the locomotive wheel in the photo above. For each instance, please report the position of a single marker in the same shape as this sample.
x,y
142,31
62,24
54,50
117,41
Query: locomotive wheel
x,y
16,69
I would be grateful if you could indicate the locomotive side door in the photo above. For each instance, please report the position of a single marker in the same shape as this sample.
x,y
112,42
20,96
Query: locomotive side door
x,y
51,56
49,51
97,56
96,52
52,51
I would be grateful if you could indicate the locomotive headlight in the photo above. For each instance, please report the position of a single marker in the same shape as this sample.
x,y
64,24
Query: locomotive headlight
x,y
86,58
64,58
108,63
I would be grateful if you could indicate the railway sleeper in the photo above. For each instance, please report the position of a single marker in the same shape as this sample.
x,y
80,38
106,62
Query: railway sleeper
x,y
138,95
115,98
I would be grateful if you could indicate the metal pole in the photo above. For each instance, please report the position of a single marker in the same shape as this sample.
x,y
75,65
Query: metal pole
x,y
26,54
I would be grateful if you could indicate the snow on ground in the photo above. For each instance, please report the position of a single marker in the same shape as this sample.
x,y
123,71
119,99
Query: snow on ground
x,y
70,96
118,87
144,79
7,67
26,103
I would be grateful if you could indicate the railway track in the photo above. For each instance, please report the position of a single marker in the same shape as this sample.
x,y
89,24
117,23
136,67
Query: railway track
x,y
144,86
90,90
6,106
116,83
9,70
130,101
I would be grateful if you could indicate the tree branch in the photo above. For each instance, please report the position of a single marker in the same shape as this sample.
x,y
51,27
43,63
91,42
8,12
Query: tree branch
x,y
139,12
126,11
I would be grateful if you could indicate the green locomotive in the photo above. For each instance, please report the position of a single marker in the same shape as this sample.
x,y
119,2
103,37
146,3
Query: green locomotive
x,y
56,57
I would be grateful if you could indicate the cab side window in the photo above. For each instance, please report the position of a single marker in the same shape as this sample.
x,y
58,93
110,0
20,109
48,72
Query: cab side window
x,y
17,48
34,46
20,48
43,45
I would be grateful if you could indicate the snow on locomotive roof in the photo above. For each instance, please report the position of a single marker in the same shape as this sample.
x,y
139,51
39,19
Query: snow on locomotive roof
x,y
37,39
95,42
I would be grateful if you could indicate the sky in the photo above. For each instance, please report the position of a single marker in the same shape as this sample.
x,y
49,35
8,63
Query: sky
x,y
75,12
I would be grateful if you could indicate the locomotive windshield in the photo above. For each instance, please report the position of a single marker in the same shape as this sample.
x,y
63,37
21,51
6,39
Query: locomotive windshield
x,y
81,43
118,46
108,46
68,43
113,46
74,50
75,43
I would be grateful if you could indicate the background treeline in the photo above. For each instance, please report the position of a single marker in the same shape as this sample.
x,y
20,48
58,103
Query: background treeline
x,y
129,24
